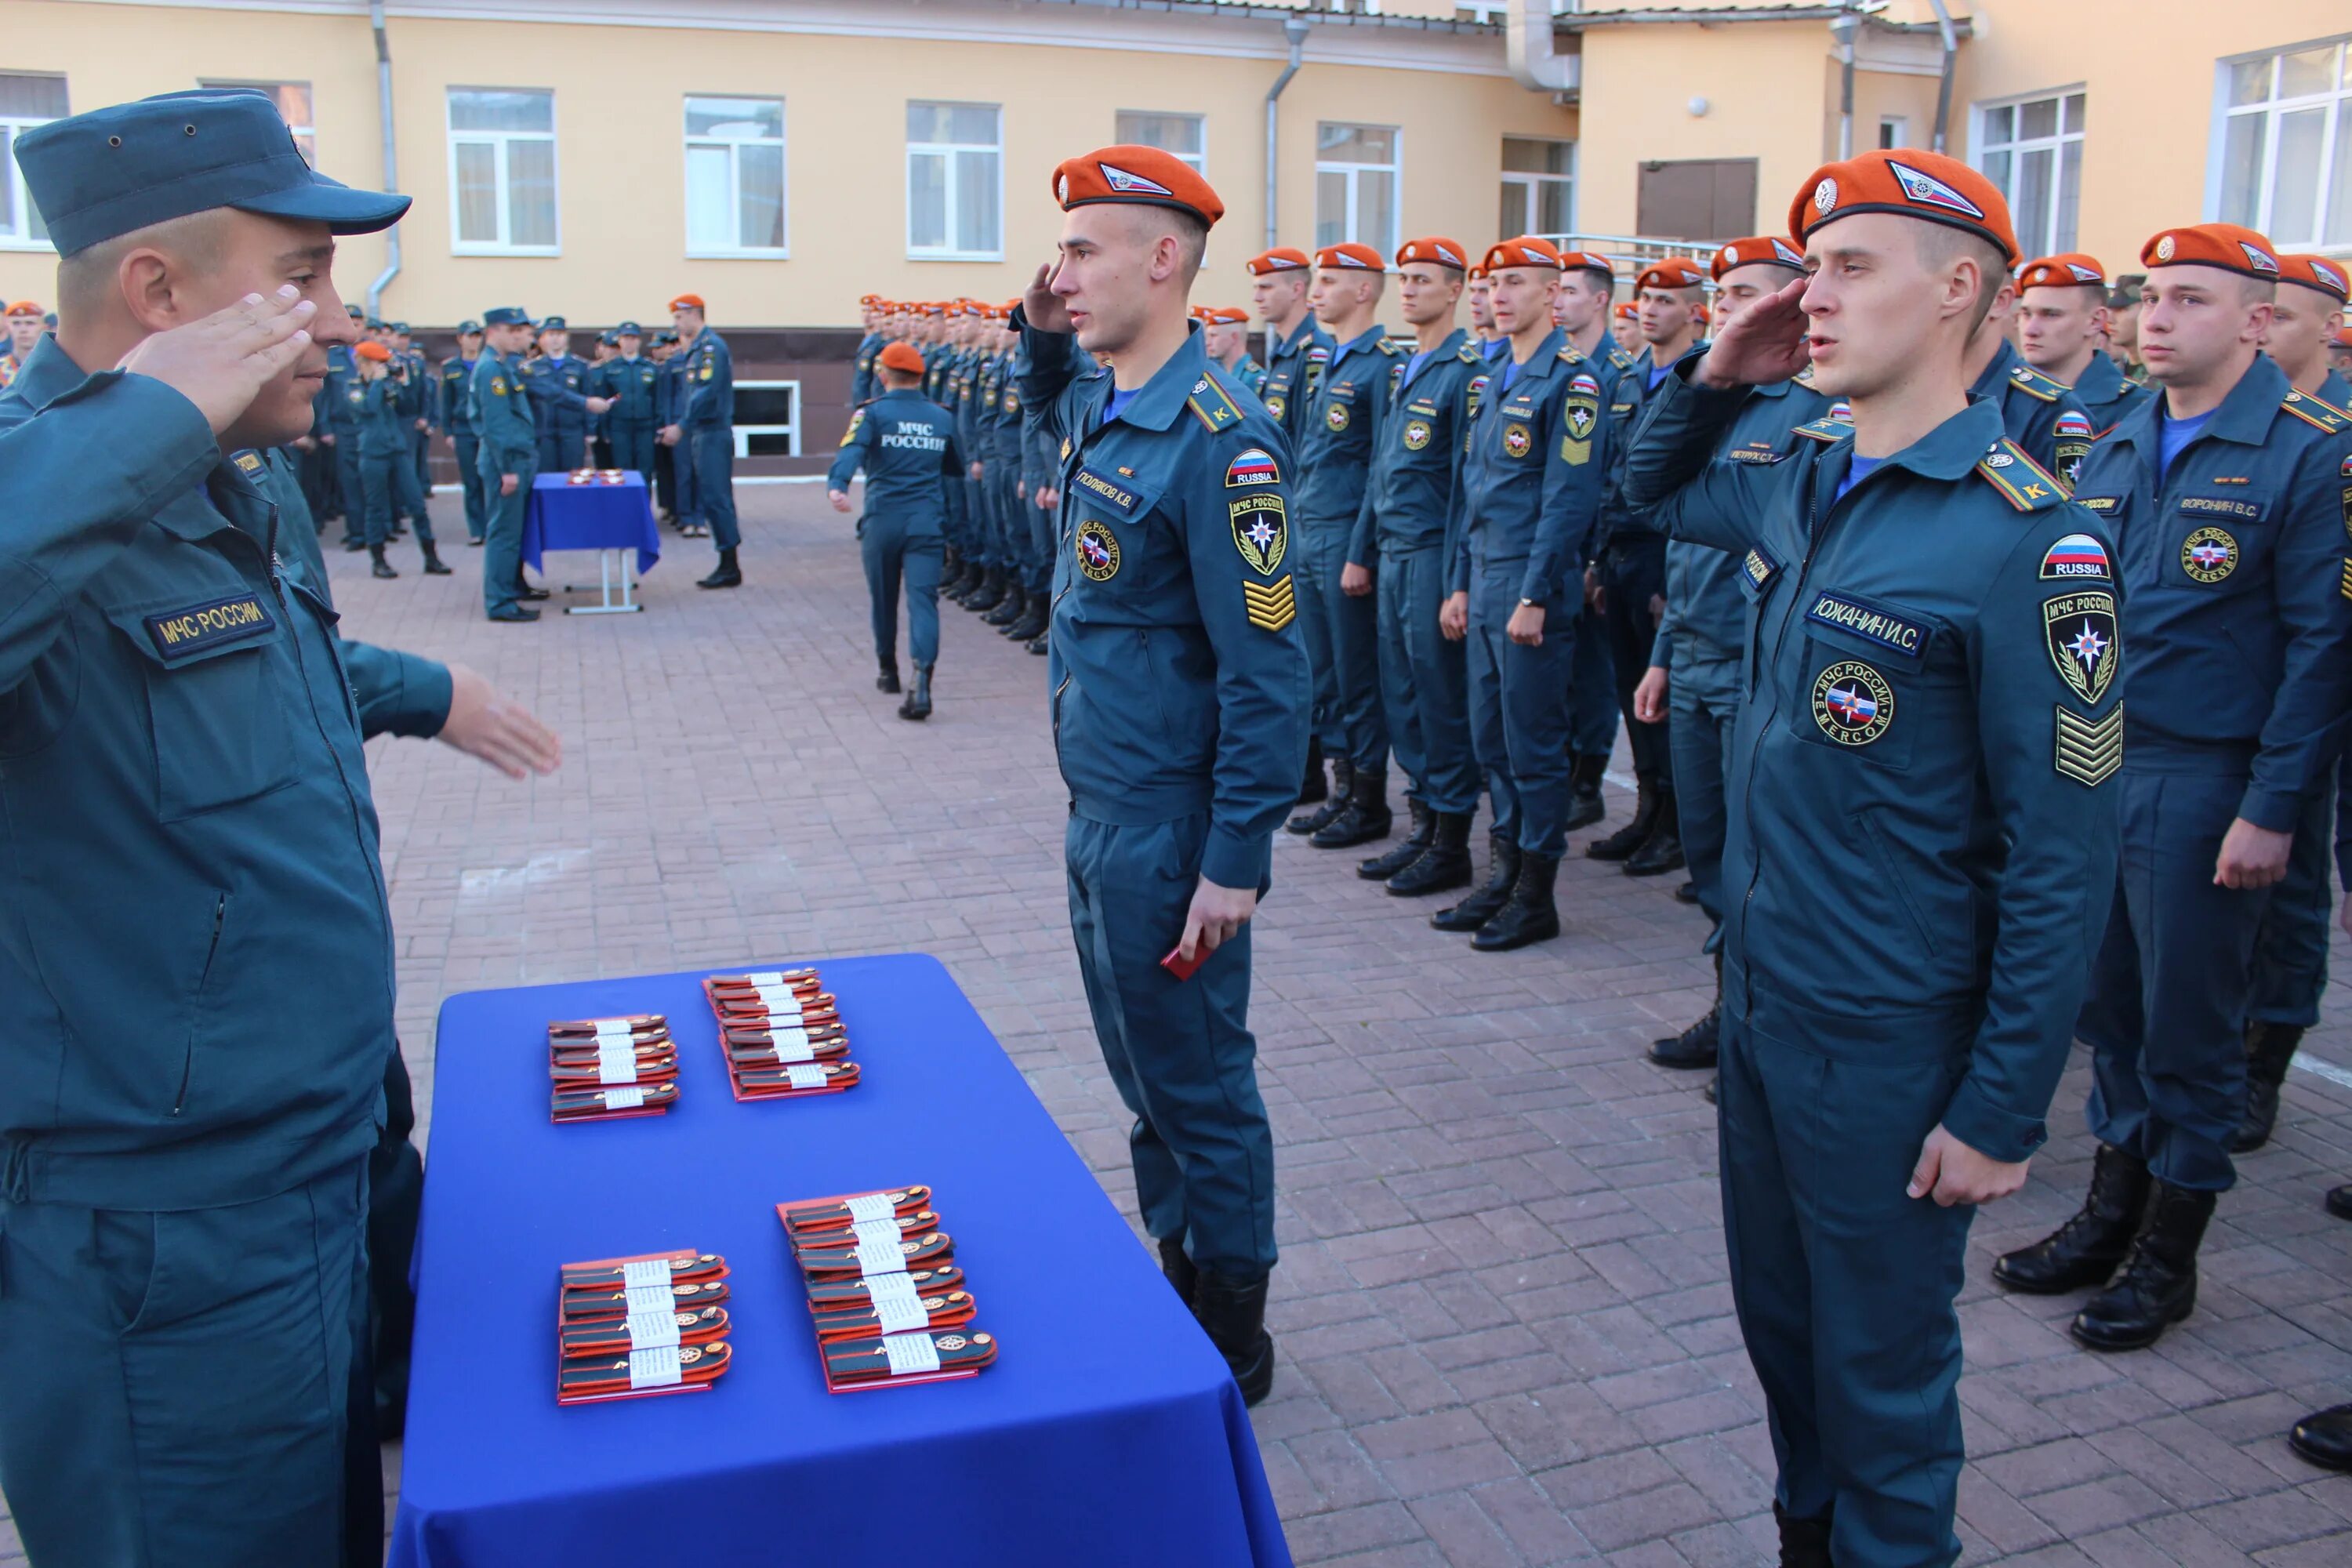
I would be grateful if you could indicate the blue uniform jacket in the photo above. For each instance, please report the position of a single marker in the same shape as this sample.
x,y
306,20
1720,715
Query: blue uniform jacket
x,y
2105,395
863,383
1294,373
343,409
559,392
2040,414
1340,432
1531,473
1179,680
707,383
1922,840
2237,588
383,417
457,395
1416,470
908,447
503,414
633,385
195,947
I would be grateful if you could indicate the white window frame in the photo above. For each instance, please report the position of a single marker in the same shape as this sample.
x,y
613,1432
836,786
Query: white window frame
x,y
946,152
734,145
791,432
17,235
501,140
1197,162
1385,244
1531,185
2338,105
1900,124
2051,242
306,137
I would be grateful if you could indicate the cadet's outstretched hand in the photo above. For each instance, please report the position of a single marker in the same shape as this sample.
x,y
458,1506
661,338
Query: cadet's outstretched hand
x,y
1215,915
1954,1173
1042,306
221,362
2251,857
503,734
1761,345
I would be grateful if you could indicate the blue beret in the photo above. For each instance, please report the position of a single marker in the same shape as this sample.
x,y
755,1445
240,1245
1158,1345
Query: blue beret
x,y
553,324
506,316
629,329
467,328
105,173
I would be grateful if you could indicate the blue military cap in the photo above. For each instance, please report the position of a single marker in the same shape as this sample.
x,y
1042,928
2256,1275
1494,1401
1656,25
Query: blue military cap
x,y
467,328
99,175
355,313
506,316
629,329
400,326
50,321
553,324
610,340
375,326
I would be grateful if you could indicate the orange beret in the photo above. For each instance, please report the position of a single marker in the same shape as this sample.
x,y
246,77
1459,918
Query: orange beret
x,y
2222,245
1350,257
2343,339
1478,273
1281,259
24,308
1143,176
2068,269
1673,272
902,356
869,299
1765,250
934,308
370,349
1525,251
690,301
1586,261
1444,252
1628,311
1911,184
1225,316
2315,272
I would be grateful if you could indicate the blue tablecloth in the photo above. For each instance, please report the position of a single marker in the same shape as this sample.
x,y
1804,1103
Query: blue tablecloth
x,y
565,516
1106,1432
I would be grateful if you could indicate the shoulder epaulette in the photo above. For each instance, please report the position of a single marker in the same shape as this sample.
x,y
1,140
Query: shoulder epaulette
x,y
2022,482
1468,353
1388,346
1804,377
1212,406
1571,354
1825,428
1620,359
2033,384
2317,412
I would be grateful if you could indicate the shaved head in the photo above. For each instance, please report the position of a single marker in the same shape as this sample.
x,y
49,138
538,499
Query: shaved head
x,y
85,280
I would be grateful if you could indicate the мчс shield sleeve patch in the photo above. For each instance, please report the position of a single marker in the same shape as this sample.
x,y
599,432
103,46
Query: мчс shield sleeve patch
x,y
2085,646
1261,530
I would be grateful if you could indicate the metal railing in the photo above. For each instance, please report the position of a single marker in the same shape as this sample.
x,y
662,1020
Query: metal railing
x,y
1628,253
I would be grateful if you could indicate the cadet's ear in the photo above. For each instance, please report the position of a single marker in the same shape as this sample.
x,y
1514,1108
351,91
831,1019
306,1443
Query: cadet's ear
x,y
153,288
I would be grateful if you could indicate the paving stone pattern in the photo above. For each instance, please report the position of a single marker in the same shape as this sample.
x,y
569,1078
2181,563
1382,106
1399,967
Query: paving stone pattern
x,y
1506,1335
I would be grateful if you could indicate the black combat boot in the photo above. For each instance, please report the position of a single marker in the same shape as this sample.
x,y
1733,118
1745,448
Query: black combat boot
x,y
1444,864
2325,1437
1233,1314
1179,1268
1708,1093
1662,851
1363,816
1531,916
1584,803
1343,784
524,591
353,544
2156,1286
1040,645
2270,1048
918,704
1502,874
1312,788
2086,1250
1032,623
889,679
988,595
1804,1543
433,565
1621,845
377,565
2338,1201
1008,609
726,574
962,580
1694,1046
1380,868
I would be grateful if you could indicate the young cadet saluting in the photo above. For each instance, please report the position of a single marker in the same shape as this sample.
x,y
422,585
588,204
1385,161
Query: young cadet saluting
x,y
2223,492
1179,691
1922,829
1416,478
907,445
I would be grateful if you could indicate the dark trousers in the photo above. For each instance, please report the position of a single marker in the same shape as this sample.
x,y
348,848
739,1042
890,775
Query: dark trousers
x,y
2290,950
1045,525
469,481
600,451
1518,708
664,479
1592,686
503,542
1307,568
1351,646
562,451
714,483
1633,573
347,483
1424,681
634,448
1843,1285
893,556
389,485
1179,1051
681,462
1703,695
2165,1014
178,1381
420,462
318,470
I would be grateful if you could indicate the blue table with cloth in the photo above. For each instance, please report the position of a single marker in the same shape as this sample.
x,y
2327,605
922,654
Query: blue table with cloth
x,y
595,516
1108,1432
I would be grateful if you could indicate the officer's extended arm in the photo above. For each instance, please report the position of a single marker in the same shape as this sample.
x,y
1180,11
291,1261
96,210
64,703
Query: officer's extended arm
x,y
1051,365
1669,483
2299,735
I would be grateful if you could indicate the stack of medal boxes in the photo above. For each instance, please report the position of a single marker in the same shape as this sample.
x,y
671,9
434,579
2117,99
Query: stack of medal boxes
x,y
610,1067
630,1327
781,1033
890,1302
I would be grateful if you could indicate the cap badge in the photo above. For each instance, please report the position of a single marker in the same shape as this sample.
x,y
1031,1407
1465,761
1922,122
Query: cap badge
x,y
2164,248
1730,254
1825,195
1062,189
1447,256
2262,260
2084,274
2329,273
1126,184
1929,191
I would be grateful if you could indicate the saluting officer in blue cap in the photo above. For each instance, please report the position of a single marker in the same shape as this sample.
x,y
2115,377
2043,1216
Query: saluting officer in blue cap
x,y
196,981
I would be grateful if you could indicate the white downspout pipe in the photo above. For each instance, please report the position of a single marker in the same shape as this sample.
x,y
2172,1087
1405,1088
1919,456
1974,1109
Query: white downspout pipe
x,y
1294,29
391,155
1536,63
1944,85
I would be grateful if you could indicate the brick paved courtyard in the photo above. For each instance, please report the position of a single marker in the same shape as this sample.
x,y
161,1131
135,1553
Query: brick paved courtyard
x,y
1505,1333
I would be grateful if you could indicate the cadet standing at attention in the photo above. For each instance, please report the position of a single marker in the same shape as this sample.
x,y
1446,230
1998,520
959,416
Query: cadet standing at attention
x,y
457,419
2062,332
1588,281
508,459
2040,414
703,422
907,445
1921,801
191,1096
387,479
2223,492
864,384
1172,598
628,381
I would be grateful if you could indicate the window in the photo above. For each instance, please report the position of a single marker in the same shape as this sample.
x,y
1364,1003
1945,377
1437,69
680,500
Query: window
x,y
1894,131
2286,146
502,171
735,176
293,101
955,183
2033,150
1538,187
1185,136
25,101
1357,172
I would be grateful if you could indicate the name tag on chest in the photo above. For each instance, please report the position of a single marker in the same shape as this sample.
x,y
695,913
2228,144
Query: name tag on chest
x,y
199,628
1113,492
1868,621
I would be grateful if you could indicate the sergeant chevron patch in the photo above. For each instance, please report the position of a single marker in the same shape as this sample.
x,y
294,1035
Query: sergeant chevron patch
x,y
1271,605
2089,751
